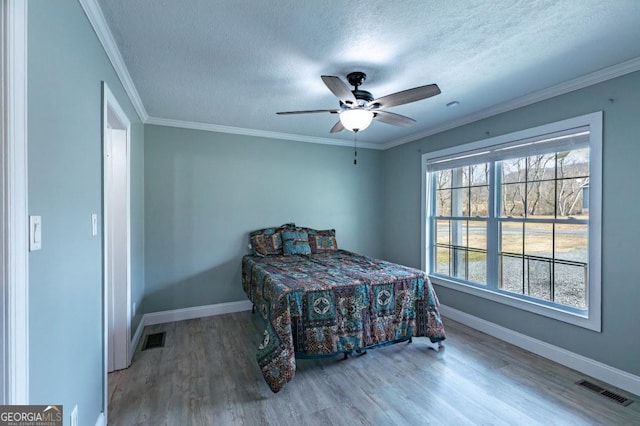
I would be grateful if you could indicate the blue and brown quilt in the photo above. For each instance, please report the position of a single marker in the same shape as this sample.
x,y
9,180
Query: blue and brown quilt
x,y
334,302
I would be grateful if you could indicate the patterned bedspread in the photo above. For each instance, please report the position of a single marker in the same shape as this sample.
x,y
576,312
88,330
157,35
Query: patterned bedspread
x,y
334,302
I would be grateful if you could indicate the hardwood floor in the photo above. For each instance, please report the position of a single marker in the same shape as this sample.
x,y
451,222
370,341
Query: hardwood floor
x,y
207,374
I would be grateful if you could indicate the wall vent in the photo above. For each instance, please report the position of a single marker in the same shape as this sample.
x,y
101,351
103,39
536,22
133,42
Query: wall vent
x,y
155,340
605,392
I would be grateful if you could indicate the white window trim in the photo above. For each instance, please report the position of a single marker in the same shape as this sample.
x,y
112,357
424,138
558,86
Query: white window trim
x,y
593,319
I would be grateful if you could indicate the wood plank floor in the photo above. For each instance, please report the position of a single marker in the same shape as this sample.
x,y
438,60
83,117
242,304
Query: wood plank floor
x,y
207,374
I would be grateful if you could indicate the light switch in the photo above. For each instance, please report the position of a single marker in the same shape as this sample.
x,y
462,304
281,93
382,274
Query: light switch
x,y
94,224
35,233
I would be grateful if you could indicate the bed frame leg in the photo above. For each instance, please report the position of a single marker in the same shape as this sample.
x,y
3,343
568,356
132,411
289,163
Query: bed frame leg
x,y
346,355
410,340
253,309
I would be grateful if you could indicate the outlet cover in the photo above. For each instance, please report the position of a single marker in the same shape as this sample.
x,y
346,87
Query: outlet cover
x,y
74,416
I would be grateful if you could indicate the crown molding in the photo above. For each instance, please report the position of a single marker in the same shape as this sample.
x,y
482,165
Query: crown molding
x,y
94,14
596,77
258,133
96,18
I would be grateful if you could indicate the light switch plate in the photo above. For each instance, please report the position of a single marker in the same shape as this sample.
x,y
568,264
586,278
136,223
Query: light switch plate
x,y
94,224
35,233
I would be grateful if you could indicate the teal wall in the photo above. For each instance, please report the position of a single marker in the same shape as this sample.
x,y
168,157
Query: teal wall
x,y
204,192
618,344
66,65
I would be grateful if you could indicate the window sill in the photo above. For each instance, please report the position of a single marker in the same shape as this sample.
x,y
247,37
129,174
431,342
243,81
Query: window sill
x,y
591,321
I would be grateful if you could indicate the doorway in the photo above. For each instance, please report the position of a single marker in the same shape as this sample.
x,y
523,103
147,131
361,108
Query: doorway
x,y
116,237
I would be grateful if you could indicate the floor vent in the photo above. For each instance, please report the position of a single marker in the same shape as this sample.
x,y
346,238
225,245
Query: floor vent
x,y
606,393
155,340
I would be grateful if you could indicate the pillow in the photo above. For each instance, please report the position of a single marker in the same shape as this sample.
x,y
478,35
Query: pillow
x,y
295,242
266,242
323,241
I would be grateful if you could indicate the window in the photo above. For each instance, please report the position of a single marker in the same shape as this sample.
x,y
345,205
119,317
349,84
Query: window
x,y
516,219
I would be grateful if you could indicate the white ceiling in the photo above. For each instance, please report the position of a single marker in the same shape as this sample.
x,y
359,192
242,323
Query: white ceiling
x,y
229,65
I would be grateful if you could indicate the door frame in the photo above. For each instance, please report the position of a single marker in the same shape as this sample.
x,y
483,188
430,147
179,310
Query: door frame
x,y
15,266
113,117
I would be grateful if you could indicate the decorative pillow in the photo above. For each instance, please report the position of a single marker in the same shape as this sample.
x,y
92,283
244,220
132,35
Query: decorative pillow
x,y
295,242
266,242
323,241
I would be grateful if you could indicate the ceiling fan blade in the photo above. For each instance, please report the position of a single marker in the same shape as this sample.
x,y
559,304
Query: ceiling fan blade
x,y
310,111
339,89
393,118
407,96
338,127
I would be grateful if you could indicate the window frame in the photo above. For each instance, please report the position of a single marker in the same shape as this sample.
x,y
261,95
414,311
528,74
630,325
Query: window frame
x,y
592,319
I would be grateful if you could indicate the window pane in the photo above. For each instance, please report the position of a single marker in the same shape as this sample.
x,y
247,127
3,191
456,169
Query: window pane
x,y
573,163
538,240
572,242
538,277
511,273
540,167
513,196
541,199
511,237
513,170
571,270
571,285
443,202
465,201
511,260
570,201
479,201
480,174
442,232
442,260
459,262
443,179
458,253
466,176
475,240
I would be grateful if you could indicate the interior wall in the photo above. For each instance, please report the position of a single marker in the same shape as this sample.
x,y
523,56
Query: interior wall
x,y
205,191
66,65
616,345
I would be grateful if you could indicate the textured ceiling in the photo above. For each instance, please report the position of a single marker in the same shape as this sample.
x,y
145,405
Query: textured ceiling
x,y
235,63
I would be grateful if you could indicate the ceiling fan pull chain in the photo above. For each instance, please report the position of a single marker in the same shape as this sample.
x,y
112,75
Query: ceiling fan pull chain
x,y
355,147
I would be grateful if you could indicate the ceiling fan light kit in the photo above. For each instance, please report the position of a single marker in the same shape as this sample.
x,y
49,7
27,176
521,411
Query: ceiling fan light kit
x,y
356,119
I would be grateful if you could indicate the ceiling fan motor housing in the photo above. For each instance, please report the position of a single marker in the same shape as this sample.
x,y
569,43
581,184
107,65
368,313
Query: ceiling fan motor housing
x,y
356,79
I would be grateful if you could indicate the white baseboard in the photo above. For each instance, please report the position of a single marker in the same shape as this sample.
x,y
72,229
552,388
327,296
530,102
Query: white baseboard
x,y
195,312
136,339
596,369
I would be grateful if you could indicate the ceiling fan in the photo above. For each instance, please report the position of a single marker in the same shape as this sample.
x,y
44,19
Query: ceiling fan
x,y
358,107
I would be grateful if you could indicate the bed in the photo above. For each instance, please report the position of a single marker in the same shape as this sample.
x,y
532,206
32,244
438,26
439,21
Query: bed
x,y
328,301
